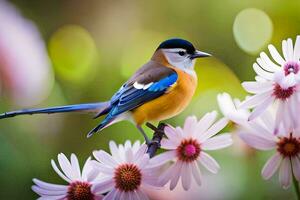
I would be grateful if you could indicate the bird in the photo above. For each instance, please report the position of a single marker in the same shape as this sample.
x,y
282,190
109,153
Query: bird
x,y
160,89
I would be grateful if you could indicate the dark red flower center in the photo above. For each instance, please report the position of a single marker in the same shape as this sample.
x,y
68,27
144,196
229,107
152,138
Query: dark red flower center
x,y
80,191
127,177
291,67
288,146
188,150
281,93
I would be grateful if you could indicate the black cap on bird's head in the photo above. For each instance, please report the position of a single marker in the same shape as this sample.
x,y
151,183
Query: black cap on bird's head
x,y
174,43
177,43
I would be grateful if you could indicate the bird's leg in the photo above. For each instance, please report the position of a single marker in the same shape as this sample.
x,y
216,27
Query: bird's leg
x,y
156,131
154,128
144,134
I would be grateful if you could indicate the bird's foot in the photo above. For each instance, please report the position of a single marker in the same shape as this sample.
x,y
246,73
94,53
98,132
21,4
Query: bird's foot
x,y
153,142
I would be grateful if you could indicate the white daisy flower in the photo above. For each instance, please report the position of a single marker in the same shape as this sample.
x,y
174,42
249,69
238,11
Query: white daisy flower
x,y
126,174
123,148
79,186
276,82
285,143
187,146
230,109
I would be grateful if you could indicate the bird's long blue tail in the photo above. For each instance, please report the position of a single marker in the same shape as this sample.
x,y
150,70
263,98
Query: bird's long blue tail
x,y
88,107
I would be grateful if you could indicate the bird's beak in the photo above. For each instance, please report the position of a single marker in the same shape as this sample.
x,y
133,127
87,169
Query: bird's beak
x,y
199,54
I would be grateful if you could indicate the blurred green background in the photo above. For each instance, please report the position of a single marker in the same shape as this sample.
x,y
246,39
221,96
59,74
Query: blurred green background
x,y
95,45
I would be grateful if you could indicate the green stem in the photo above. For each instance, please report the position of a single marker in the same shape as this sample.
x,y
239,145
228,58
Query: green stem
x,y
296,185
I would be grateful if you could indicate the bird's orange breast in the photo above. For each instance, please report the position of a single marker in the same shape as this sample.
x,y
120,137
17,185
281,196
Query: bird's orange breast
x,y
170,104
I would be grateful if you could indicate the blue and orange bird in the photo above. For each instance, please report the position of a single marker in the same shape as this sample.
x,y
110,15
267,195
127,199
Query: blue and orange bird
x,y
159,90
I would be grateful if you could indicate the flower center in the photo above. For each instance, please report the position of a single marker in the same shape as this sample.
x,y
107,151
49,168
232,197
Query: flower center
x,y
80,191
127,177
188,150
291,67
281,93
288,146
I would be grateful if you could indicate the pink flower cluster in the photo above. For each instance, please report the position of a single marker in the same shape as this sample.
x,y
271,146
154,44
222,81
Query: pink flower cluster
x,y
268,120
128,171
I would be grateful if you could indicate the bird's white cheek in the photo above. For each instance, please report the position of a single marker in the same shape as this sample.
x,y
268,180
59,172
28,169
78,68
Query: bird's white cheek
x,y
175,60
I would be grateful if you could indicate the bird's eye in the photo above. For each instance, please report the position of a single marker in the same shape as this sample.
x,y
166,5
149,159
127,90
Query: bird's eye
x,y
182,53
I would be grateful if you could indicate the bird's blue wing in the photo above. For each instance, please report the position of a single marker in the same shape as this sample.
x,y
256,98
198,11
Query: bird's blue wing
x,y
131,97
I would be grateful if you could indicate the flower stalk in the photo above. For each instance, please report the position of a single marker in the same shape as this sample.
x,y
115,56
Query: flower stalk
x,y
296,186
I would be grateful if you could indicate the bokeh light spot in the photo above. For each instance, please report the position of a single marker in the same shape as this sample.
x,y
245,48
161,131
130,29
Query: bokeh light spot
x,y
252,30
73,52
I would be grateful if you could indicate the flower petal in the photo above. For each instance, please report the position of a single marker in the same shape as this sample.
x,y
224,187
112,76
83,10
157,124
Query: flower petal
x,y
259,71
168,144
129,155
111,195
162,158
205,122
297,49
175,178
257,142
66,166
276,56
75,166
142,195
136,145
49,186
296,167
87,168
285,50
172,134
217,142
209,162
140,152
168,174
261,108
290,49
127,144
257,87
255,100
186,178
268,120
226,104
143,161
59,172
214,129
114,150
267,64
48,192
189,125
103,186
105,158
196,173
285,174
100,167
271,166
279,117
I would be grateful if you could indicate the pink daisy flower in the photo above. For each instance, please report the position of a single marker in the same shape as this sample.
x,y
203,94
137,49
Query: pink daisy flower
x,y
276,83
126,174
286,144
79,186
186,148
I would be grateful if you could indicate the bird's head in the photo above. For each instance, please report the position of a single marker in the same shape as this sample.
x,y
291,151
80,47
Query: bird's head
x,y
179,53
